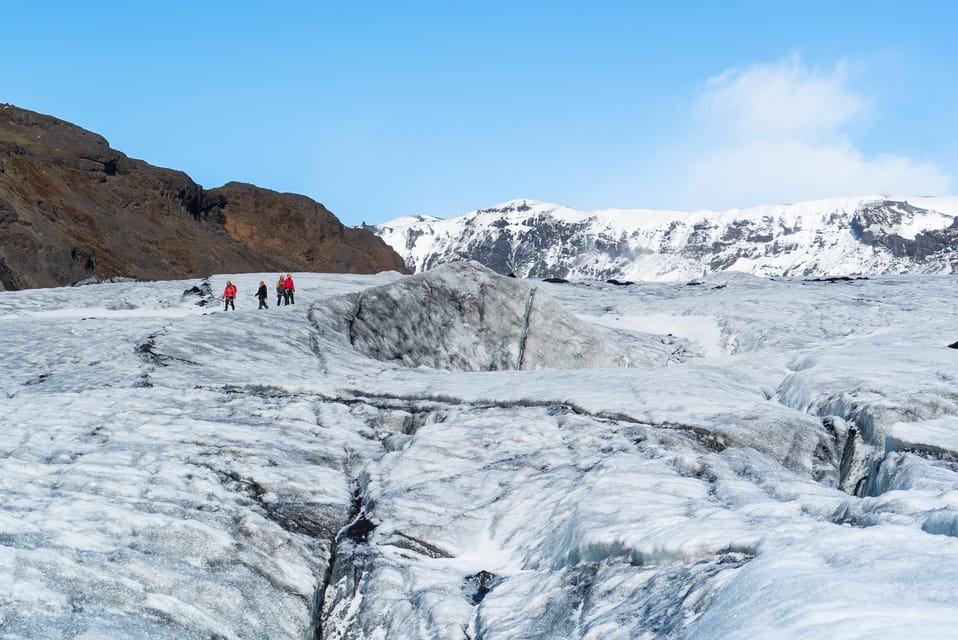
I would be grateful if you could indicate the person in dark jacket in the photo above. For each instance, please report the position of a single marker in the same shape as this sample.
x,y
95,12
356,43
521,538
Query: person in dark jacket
x,y
289,290
280,287
262,293
229,295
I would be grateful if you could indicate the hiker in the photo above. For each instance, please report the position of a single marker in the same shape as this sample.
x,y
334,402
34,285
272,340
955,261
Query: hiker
x,y
261,293
229,294
288,290
280,287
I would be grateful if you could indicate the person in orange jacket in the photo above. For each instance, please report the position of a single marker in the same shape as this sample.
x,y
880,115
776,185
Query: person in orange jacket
x,y
229,295
289,290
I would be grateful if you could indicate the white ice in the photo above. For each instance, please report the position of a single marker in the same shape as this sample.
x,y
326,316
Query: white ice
x,y
779,460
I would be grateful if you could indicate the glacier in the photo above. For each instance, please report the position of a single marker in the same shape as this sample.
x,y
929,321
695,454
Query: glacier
x,y
725,457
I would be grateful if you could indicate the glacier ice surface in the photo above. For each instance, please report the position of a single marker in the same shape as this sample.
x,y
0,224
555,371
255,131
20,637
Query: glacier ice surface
x,y
778,461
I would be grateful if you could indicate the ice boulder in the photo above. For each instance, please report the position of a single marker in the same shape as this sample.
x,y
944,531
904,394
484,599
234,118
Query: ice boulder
x,y
463,316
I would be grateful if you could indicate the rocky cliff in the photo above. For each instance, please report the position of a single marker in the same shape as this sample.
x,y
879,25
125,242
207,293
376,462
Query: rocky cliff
x,y
72,208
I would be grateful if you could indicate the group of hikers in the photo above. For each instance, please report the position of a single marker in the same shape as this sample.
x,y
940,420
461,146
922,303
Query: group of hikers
x,y
285,293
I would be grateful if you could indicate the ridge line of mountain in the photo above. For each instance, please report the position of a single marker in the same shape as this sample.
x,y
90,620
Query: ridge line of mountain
x,y
840,236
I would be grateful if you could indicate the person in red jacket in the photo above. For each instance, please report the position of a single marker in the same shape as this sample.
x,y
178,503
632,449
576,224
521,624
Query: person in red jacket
x,y
229,295
288,290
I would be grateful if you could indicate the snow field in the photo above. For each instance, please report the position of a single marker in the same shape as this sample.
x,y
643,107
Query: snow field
x,y
174,471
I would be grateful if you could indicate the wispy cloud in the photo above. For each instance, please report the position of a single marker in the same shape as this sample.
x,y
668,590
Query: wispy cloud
x,y
781,101
783,132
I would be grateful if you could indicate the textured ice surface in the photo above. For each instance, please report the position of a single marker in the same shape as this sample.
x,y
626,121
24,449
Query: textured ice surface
x,y
463,316
778,461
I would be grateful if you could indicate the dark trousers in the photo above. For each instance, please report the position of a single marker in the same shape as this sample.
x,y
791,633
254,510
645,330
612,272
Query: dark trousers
x,y
229,303
288,297
279,297
262,303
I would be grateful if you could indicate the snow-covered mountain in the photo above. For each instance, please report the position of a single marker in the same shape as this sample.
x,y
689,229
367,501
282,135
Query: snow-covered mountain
x,y
457,454
868,235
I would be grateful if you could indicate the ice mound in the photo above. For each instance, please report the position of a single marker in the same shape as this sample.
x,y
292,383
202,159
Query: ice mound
x,y
463,316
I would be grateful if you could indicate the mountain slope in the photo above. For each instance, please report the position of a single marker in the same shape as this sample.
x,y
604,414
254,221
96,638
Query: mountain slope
x,y
71,207
827,237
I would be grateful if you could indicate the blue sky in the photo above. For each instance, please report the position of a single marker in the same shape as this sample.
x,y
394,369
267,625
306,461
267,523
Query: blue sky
x,y
386,109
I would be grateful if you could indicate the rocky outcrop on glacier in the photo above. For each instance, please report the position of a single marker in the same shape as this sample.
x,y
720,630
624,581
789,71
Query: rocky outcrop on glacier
x,y
462,316
868,235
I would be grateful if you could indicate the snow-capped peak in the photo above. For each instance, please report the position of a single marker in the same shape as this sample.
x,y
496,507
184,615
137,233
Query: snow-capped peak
x,y
837,236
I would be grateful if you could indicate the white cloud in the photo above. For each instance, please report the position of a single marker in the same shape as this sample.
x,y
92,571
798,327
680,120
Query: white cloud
x,y
795,170
784,100
782,132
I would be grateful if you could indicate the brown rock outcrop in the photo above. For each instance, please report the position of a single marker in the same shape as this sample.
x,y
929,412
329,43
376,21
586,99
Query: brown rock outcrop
x,y
71,208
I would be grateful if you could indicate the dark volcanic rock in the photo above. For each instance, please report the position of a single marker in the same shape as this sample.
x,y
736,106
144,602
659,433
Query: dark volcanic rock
x,y
889,215
72,208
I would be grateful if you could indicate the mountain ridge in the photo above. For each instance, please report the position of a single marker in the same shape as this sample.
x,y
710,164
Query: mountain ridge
x,y
839,236
73,208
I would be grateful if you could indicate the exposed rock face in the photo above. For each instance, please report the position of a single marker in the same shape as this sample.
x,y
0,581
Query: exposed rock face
x,y
873,224
463,316
72,208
